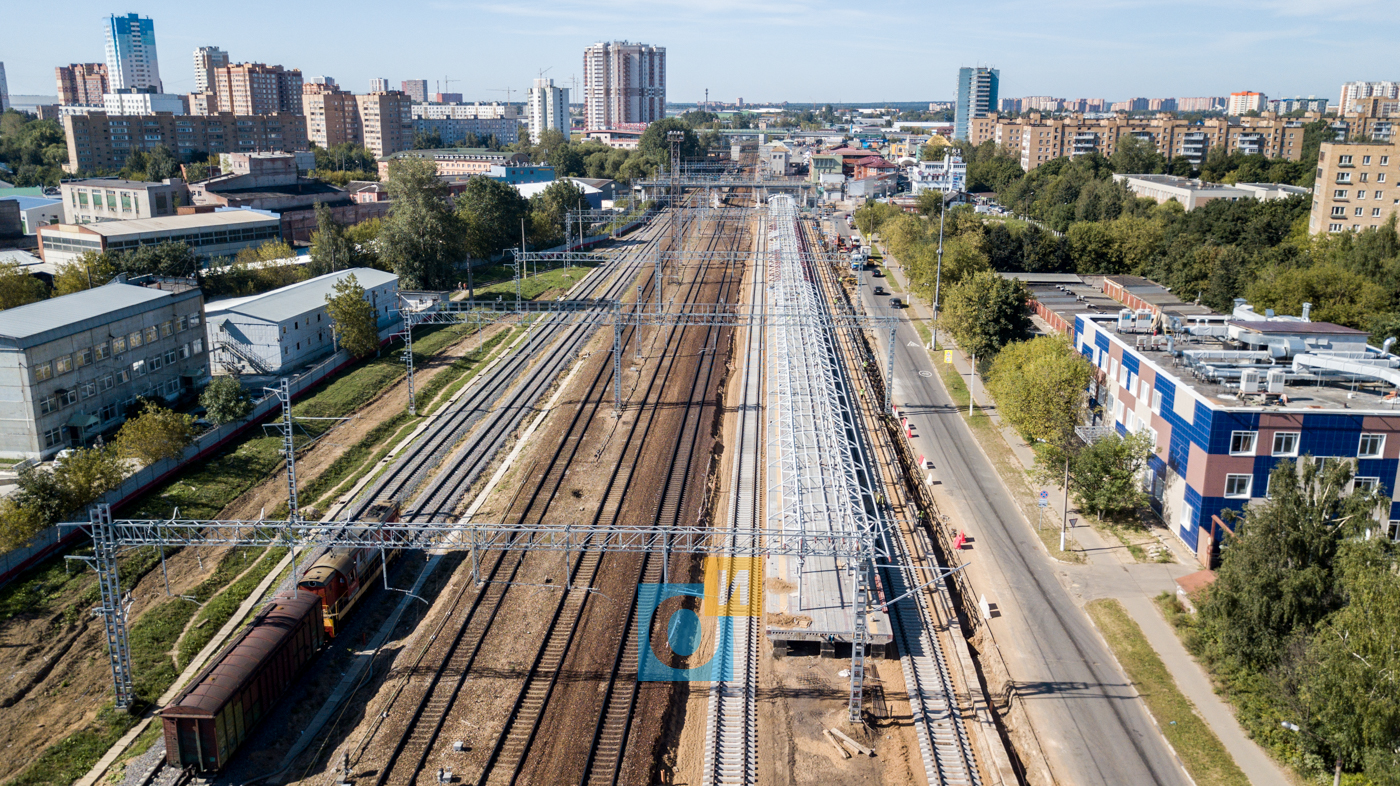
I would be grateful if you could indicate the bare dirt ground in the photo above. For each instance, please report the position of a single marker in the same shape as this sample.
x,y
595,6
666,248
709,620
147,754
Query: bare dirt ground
x,y
55,671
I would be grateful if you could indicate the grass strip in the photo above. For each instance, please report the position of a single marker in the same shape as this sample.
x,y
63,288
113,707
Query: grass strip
x,y
221,608
1200,750
532,287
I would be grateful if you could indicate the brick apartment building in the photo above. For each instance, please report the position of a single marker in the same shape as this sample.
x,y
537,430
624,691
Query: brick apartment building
x,y
81,84
99,141
382,121
1356,186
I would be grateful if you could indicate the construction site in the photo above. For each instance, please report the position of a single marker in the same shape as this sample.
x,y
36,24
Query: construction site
x,y
671,533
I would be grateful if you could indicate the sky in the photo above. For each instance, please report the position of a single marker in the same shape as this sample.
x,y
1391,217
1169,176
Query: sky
x,y
762,50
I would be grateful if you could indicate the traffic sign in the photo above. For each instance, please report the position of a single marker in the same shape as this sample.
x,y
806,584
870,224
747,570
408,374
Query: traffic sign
x,y
948,356
1044,494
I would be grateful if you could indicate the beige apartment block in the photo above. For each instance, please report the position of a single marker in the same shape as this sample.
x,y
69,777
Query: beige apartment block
x,y
1355,187
99,141
1039,139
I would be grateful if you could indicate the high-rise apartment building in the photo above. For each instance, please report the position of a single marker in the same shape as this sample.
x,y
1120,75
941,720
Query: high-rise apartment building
x,y
1357,186
547,109
332,116
1200,104
257,89
1246,101
382,122
623,83
379,85
977,97
386,122
81,84
416,89
131,54
1355,91
206,59
4,90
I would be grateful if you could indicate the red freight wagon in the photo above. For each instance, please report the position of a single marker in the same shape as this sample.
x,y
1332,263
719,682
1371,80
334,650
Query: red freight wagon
x,y
215,714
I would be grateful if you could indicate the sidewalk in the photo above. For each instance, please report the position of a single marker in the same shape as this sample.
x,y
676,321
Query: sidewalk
x,y
1112,572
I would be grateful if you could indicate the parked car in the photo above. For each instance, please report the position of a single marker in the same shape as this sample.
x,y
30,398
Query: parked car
x,y
895,303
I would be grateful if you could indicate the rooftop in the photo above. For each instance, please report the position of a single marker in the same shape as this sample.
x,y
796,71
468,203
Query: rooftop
x,y
115,182
294,300
1293,327
28,202
48,320
136,226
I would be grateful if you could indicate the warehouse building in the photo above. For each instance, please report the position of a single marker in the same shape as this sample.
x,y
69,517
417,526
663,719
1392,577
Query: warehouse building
x,y
212,235
280,331
70,367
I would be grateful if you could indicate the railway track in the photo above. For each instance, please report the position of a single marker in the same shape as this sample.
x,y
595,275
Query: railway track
x,y
614,713
943,742
731,723
456,652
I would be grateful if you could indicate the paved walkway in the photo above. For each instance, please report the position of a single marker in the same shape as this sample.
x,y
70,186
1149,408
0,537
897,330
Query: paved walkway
x,y
1112,572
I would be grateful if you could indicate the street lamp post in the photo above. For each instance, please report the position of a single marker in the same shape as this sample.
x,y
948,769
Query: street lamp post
x,y
938,276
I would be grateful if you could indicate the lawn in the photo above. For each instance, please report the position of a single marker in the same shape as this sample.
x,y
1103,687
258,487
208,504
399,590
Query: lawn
x,y
1200,750
532,287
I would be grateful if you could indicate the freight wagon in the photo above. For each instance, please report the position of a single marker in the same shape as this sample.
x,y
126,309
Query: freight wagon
x,y
220,708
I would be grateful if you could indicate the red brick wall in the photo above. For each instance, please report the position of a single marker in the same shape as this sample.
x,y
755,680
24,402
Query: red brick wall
x,y
298,225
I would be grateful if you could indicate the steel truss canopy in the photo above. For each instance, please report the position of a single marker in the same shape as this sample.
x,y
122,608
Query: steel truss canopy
x,y
480,536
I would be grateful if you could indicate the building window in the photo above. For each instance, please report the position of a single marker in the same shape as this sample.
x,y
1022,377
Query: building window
x,y
105,382
184,351
1360,211
166,328
1372,445
197,346
1375,212
87,389
109,412
134,339
1285,443
155,363
1340,193
43,371
181,323
123,376
83,357
67,398
1242,443
138,369
1365,160
1339,211
170,357
194,320
1334,227
102,351
1238,486
53,437
151,334
48,404
118,345
1365,485
63,365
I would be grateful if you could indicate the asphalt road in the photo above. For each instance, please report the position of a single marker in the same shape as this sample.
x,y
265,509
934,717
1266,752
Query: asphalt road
x,y
1093,728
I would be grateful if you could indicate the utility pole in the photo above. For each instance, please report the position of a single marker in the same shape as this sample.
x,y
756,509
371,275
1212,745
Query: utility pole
x,y
938,276
1064,517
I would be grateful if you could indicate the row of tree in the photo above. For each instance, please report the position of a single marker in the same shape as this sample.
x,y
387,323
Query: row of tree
x,y
33,149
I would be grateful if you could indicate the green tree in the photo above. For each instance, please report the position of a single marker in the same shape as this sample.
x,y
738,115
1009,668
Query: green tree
x,y
427,140
17,287
157,433
86,474
161,164
1277,580
89,269
491,212
365,238
225,400
39,491
985,312
1351,691
1338,294
548,210
421,240
163,259
353,316
933,151
18,524
656,146
1107,474
1136,156
331,250
1040,388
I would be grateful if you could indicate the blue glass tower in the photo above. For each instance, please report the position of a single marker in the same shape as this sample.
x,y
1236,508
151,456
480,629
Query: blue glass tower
x,y
977,96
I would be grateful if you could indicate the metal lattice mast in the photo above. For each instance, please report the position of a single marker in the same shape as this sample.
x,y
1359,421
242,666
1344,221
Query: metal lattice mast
x,y
104,560
284,392
408,358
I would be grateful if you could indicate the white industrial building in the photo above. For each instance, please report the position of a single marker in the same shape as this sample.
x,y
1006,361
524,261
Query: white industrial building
x,y
287,328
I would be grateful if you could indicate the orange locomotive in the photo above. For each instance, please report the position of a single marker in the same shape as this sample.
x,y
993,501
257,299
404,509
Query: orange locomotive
x,y
342,576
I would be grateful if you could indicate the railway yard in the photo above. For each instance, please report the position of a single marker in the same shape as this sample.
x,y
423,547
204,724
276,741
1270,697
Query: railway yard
x,y
724,579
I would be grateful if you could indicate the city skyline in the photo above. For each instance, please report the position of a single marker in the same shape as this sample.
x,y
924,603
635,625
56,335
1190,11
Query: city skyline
x,y
1075,51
